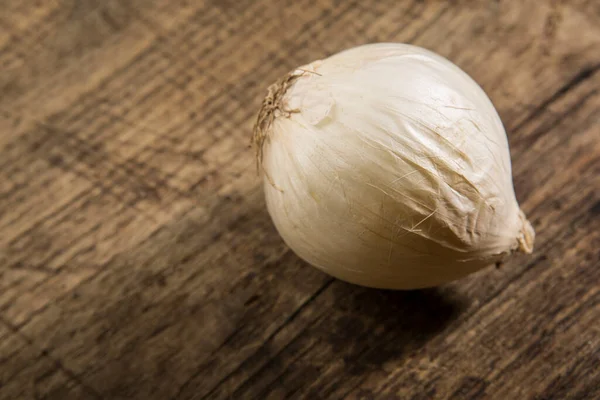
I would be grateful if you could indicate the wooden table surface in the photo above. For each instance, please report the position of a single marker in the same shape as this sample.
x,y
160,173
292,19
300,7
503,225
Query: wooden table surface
x,y
137,259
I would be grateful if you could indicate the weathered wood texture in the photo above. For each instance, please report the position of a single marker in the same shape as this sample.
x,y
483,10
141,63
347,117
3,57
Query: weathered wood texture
x,y
137,260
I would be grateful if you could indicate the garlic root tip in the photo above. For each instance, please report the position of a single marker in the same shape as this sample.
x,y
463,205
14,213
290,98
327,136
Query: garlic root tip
x,y
272,103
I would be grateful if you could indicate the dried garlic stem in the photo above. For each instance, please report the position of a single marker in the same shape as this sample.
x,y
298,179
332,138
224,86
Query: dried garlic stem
x,y
526,236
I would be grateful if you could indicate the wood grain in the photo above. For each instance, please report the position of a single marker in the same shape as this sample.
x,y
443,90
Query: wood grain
x,y
137,260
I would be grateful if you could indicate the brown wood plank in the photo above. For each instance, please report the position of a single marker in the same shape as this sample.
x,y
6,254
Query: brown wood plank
x,y
26,372
137,259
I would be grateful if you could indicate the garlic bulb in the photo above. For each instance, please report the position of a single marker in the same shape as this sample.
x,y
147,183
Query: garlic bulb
x,y
387,166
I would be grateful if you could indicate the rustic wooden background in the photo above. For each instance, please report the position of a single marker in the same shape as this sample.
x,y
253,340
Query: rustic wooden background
x,y
137,260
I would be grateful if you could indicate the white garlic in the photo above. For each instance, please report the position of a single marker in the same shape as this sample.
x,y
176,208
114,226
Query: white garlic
x,y
387,166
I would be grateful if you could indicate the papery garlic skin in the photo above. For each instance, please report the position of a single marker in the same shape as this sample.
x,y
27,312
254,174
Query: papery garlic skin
x,y
387,166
